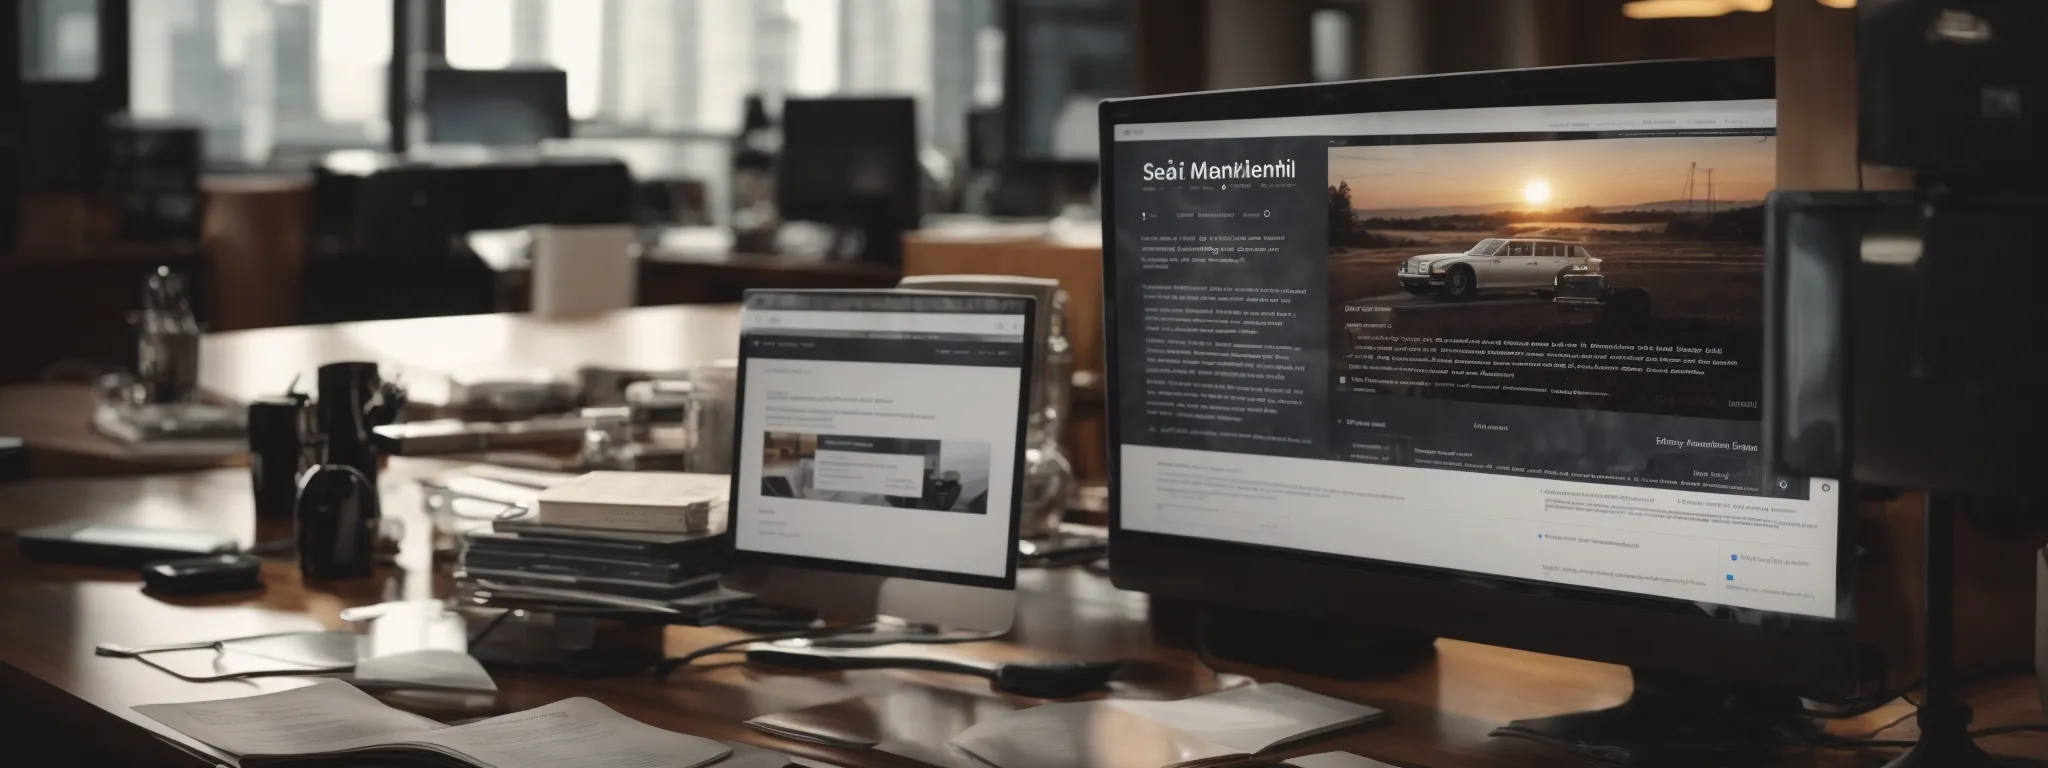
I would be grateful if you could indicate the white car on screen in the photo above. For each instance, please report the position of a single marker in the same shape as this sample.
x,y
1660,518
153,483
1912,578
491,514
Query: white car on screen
x,y
1495,264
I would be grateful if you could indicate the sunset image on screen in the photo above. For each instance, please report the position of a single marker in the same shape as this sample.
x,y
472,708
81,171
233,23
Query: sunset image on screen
x,y
1594,241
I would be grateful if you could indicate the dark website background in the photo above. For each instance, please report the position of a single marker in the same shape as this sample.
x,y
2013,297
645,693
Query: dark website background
x,y
1228,350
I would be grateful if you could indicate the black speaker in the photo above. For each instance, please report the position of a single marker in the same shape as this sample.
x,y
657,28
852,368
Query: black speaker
x,y
1953,88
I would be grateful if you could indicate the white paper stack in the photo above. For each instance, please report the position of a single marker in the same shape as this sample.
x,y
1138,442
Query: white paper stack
x,y
662,502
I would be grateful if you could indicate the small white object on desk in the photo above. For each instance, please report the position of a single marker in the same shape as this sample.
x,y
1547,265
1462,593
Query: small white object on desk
x,y
1256,718
664,502
583,270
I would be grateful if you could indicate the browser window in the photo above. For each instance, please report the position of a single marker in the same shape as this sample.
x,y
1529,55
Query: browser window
x,y
882,429
1522,342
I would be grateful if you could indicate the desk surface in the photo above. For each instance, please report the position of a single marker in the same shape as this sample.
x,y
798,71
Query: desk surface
x,y
53,615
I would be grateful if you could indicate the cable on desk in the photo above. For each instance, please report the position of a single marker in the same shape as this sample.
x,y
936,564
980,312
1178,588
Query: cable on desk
x,y
1888,726
1869,704
1866,743
2000,730
484,632
670,665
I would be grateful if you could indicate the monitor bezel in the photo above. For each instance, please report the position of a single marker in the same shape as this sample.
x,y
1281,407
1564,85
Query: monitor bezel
x,y
740,557
1764,649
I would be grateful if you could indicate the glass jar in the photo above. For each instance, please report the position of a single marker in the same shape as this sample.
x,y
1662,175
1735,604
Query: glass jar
x,y
1048,475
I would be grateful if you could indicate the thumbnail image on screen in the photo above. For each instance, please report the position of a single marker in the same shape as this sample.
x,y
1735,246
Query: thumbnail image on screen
x,y
906,473
1615,274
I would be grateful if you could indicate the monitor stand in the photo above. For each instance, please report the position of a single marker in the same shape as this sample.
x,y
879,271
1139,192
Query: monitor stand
x,y
1310,645
1670,716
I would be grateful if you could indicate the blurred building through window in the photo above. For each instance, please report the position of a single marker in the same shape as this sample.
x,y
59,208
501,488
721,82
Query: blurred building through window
x,y
263,77
289,78
684,67
59,39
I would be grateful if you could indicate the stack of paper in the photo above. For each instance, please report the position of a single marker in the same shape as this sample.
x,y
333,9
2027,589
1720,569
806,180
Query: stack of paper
x,y
327,720
1214,728
665,502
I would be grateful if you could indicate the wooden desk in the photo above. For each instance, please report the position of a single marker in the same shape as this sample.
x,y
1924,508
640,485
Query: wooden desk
x,y
56,420
55,690
678,278
244,365
239,366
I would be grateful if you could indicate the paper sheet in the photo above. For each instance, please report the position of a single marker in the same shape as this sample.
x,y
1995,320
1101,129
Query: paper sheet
x,y
329,717
575,733
1256,718
1088,734
321,717
1335,760
747,756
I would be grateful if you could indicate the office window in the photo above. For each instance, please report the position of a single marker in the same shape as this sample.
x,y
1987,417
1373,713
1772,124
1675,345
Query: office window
x,y
268,80
59,39
684,67
1330,38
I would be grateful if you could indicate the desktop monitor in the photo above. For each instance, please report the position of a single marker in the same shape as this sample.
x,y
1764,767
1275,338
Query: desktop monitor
x,y
879,462
496,107
853,163
1473,356
1065,57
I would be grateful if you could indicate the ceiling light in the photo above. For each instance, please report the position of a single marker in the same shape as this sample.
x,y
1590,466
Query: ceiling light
x,y
1838,3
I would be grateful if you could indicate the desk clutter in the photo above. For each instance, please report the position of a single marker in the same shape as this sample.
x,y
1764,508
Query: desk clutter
x,y
328,722
157,410
1227,726
652,550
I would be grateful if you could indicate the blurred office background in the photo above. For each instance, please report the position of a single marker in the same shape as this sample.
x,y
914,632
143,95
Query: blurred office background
x,y
250,143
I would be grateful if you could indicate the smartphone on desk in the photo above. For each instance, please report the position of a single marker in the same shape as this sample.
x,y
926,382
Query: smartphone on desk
x,y
122,546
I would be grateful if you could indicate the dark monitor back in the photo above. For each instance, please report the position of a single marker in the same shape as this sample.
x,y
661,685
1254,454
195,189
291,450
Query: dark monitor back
x,y
985,147
496,107
850,161
402,208
1063,56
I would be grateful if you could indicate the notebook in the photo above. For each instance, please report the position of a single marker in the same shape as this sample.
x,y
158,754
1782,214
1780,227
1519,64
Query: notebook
x,y
331,722
1215,728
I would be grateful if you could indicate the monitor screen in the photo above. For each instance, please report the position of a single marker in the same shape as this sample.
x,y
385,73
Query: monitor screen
x,y
850,161
1523,343
879,432
496,107
1065,57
